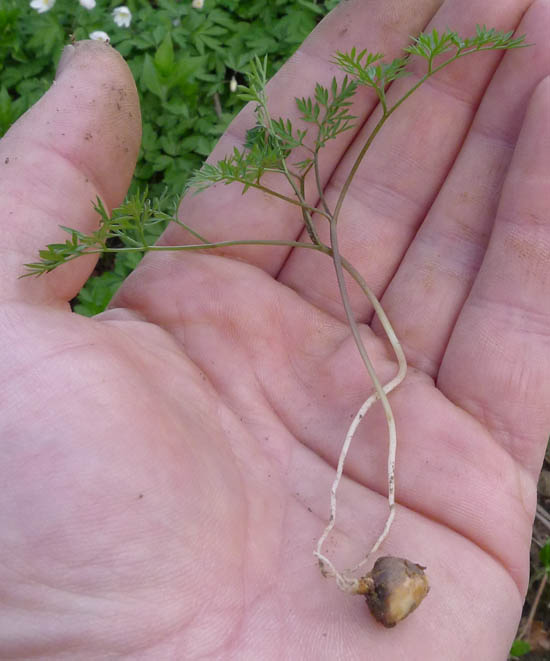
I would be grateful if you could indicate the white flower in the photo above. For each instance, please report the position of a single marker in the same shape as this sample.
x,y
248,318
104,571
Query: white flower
x,y
99,35
197,4
42,5
88,4
122,16
233,84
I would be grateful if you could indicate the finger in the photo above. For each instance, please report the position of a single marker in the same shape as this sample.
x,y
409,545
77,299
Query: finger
x,y
436,275
78,142
406,165
497,362
222,212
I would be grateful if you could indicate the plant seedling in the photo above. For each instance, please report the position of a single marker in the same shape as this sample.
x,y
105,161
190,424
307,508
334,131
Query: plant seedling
x,y
395,586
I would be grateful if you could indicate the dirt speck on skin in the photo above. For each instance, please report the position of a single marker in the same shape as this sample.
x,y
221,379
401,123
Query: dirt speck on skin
x,y
88,135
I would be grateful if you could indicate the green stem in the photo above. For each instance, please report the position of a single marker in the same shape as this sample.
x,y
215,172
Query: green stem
x,y
207,246
381,314
319,183
189,229
274,193
355,167
41,267
300,194
337,259
345,580
385,115
306,216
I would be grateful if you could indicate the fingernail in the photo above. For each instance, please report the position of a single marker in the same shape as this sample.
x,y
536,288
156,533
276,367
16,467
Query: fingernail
x,y
66,56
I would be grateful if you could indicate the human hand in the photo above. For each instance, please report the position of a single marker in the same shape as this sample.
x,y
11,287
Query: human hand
x,y
166,466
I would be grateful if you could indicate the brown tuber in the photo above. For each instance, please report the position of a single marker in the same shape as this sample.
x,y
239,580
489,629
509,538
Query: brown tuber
x,y
393,589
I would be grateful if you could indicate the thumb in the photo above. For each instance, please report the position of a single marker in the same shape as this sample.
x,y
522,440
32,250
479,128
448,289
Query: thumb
x,y
79,141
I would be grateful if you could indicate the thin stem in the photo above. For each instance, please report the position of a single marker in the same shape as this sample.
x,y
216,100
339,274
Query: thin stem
x,y
300,194
420,82
190,247
386,113
274,193
319,183
306,215
344,581
459,54
189,229
391,385
382,96
379,310
355,167
527,628
269,126
349,312
206,246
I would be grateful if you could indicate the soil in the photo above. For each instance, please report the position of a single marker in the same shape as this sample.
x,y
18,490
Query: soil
x,y
540,632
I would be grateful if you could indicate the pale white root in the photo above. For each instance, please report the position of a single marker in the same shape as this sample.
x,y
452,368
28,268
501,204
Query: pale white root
x,y
344,579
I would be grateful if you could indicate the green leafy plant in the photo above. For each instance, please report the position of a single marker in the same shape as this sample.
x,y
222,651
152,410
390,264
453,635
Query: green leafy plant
x,y
520,648
183,60
270,149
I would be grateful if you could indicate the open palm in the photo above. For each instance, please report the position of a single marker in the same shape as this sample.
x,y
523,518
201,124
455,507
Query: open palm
x,y
165,467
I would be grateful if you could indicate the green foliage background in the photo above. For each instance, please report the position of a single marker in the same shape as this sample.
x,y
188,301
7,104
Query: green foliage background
x,y
182,60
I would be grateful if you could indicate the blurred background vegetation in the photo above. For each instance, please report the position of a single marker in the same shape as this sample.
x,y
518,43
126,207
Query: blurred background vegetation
x,y
184,56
